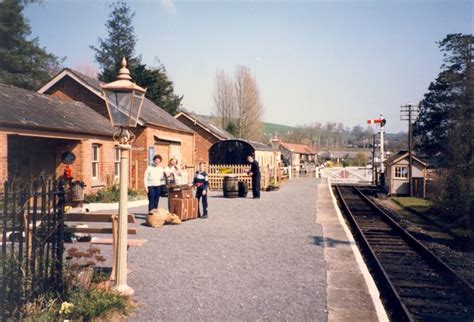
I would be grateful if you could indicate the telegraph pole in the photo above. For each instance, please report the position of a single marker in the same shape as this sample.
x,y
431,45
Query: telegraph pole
x,y
409,112
374,173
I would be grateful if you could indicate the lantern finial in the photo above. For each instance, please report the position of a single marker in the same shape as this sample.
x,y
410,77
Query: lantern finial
x,y
124,73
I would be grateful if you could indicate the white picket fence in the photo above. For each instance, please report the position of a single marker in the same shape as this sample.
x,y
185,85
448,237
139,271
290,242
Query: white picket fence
x,y
348,174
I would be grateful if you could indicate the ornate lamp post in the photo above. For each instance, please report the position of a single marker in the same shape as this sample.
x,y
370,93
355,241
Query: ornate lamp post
x,y
124,101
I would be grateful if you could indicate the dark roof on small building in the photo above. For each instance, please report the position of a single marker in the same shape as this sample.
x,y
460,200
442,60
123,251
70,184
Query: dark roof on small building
x,y
207,125
151,113
401,155
259,146
23,108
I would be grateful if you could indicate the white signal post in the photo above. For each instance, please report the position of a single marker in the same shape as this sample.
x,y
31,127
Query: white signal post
x,y
381,121
382,169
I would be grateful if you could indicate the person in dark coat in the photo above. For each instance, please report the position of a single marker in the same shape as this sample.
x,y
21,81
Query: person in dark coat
x,y
201,182
255,173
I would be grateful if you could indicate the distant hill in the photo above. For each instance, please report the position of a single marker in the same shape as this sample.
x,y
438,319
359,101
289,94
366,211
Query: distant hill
x,y
395,140
268,128
272,128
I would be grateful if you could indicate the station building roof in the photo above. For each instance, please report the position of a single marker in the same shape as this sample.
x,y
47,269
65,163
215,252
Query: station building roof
x,y
150,114
22,108
207,125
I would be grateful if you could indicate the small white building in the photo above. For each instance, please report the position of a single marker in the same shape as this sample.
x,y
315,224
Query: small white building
x,y
396,179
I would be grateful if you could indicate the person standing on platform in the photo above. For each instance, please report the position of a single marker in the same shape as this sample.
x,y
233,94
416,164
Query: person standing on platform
x,y
154,182
201,182
255,173
173,173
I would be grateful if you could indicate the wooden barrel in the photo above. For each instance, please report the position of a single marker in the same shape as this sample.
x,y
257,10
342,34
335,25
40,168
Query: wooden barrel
x,y
243,189
230,187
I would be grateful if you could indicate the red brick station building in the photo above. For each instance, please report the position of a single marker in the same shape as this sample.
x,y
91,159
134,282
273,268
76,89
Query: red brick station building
x,y
66,122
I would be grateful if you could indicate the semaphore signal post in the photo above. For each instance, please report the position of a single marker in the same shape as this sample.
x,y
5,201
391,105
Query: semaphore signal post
x,y
381,121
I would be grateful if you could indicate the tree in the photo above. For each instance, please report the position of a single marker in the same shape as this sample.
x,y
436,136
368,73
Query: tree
x,y
444,126
248,105
224,101
160,89
237,104
357,135
121,43
297,135
361,159
23,62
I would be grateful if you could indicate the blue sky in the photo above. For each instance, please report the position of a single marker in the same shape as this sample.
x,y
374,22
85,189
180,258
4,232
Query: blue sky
x,y
314,61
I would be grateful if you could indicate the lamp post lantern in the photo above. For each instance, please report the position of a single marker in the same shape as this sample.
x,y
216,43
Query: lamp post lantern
x,y
124,100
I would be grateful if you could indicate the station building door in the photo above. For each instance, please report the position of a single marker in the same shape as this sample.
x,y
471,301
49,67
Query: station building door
x,y
31,157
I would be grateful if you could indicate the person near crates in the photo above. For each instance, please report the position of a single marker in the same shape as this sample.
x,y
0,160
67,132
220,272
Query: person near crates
x,y
201,182
172,172
154,182
255,173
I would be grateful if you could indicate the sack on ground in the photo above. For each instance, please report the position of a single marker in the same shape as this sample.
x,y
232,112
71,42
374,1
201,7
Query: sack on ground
x,y
157,217
173,219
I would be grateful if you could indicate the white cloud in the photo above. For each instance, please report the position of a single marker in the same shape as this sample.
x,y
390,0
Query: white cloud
x,y
169,6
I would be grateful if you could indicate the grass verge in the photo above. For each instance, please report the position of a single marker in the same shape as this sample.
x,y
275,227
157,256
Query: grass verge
x,y
425,209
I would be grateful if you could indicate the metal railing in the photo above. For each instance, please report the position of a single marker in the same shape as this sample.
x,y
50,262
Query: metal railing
x,y
31,256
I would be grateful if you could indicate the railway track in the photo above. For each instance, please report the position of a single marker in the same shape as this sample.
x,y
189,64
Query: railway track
x,y
415,284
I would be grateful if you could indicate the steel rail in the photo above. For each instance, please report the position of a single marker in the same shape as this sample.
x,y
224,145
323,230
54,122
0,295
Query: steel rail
x,y
400,310
433,261
424,251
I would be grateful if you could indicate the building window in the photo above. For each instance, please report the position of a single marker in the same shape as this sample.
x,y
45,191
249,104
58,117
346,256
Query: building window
x,y
116,161
401,172
95,161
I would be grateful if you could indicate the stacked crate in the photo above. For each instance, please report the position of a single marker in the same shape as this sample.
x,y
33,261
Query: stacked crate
x,y
182,202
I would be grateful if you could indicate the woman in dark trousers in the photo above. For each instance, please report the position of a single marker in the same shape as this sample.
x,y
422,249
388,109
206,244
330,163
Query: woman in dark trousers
x,y
201,182
154,180
255,173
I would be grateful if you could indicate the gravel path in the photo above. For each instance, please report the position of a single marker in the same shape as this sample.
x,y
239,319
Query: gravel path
x,y
251,260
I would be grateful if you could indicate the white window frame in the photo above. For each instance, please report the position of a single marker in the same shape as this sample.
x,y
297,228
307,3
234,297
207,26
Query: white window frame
x,y
401,172
95,161
117,155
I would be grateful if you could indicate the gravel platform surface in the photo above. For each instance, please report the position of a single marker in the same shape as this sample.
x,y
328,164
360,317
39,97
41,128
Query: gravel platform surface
x,y
250,260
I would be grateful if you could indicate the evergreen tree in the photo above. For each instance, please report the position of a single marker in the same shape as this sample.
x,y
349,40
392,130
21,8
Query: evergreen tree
x,y
23,62
160,89
446,110
121,43
445,126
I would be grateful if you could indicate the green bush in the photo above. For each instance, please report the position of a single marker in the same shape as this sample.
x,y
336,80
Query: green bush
x,y
92,303
111,194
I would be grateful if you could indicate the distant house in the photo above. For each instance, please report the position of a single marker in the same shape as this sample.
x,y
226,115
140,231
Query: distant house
x,y
207,134
396,180
295,154
157,133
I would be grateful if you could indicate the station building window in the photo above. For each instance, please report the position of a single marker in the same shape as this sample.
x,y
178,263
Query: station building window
x,y
116,161
95,161
401,172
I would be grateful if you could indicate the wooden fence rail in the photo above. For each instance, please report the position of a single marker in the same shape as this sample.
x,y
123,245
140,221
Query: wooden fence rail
x,y
217,172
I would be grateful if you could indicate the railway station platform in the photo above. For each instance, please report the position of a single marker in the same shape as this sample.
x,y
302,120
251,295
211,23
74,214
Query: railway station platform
x,y
351,292
285,257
